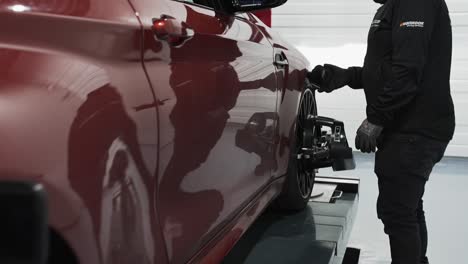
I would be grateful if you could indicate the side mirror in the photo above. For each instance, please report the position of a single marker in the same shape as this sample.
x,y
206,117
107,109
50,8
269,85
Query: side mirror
x,y
236,6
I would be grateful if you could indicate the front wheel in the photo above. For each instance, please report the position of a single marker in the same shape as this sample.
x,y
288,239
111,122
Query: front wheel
x,y
300,178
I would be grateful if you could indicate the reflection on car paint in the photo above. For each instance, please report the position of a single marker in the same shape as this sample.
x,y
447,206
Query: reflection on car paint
x,y
117,177
46,79
216,83
256,137
79,111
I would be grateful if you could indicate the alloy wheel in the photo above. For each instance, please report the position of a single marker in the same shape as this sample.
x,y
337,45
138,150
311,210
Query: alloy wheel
x,y
306,138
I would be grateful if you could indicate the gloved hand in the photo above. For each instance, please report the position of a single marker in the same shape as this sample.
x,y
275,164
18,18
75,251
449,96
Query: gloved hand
x,y
366,136
316,75
329,77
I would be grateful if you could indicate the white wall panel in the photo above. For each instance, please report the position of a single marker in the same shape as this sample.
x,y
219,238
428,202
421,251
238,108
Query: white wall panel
x,y
335,31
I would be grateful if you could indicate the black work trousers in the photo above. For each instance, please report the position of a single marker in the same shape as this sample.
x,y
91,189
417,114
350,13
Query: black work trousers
x,y
403,164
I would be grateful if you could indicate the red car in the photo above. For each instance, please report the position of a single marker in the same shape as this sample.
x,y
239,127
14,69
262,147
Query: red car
x,y
149,131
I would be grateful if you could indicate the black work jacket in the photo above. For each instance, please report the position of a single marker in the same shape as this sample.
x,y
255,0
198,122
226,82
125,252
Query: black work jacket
x,y
406,72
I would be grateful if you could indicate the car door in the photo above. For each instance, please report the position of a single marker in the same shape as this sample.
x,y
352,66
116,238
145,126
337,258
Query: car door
x,y
291,69
214,79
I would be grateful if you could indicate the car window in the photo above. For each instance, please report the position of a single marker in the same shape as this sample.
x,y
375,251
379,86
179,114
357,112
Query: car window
x,y
206,3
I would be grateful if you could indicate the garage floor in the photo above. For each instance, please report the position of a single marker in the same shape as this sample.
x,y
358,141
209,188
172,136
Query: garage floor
x,y
445,205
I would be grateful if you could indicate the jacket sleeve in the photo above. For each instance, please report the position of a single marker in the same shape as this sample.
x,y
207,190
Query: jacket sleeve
x,y
412,26
355,77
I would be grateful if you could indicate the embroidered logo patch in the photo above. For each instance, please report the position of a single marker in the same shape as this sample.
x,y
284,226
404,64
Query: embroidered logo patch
x,y
375,23
412,24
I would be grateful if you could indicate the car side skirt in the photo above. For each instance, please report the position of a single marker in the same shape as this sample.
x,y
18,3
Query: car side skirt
x,y
219,246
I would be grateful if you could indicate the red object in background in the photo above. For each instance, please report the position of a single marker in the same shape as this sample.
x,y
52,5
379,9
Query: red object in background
x,y
265,16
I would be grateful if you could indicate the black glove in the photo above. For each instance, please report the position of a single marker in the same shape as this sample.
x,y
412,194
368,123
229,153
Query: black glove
x,y
329,77
316,75
366,136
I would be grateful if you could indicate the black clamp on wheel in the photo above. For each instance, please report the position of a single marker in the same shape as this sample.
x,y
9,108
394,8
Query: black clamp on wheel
x,y
329,148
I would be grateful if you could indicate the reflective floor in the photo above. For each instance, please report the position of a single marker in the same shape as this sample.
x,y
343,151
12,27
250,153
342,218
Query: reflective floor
x,y
445,203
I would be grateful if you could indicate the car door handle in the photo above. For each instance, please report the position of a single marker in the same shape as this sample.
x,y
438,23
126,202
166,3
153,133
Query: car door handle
x,y
281,61
168,28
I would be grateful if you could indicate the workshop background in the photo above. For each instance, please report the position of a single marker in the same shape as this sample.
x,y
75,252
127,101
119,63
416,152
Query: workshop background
x,y
335,31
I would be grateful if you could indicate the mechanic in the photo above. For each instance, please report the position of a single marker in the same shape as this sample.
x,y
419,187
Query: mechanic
x,y
410,113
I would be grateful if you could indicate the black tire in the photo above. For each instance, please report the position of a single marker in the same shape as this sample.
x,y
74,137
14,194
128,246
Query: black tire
x,y
299,181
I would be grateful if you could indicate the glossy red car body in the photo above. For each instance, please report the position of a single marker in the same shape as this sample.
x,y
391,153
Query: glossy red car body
x,y
135,132
264,16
